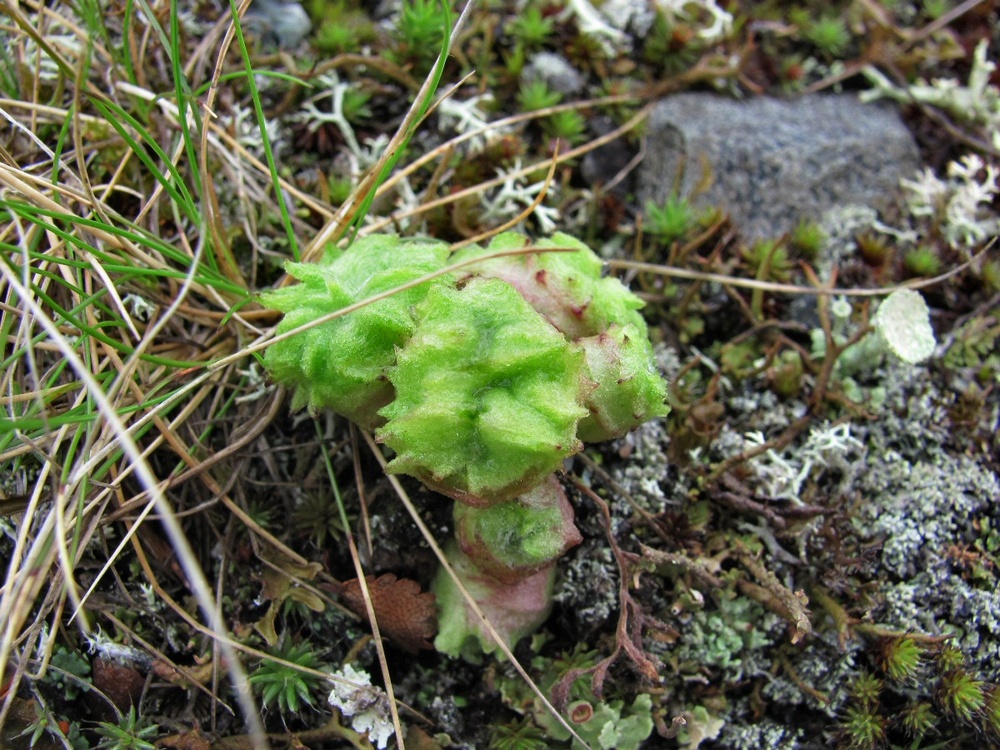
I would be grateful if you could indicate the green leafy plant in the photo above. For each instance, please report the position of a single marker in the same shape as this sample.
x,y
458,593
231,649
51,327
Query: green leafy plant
x,y
71,672
990,275
601,722
518,735
597,314
487,395
128,734
339,188
482,382
934,9
670,220
46,723
355,105
535,95
867,689
284,685
506,556
531,28
341,365
318,518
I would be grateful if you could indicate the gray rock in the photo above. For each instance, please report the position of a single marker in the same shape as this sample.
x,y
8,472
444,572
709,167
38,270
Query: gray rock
x,y
557,72
774,162
603,164
281,22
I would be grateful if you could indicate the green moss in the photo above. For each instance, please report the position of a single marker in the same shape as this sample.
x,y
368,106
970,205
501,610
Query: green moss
x,y
569,125
901,659
829,34
531,29
961,694
922,261
807,238
768,260
418,32
918,719
671,220
535,95
863,728
867,689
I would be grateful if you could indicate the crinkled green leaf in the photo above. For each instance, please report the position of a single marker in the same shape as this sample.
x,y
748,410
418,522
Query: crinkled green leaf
x,y
512,540
469,421
341,364
629,389
565,287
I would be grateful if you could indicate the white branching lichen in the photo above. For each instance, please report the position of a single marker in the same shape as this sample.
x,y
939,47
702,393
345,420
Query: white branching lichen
x,y
977,102
719,24
465,116
514,196
961,203
313,117
784,474
591,22
367,707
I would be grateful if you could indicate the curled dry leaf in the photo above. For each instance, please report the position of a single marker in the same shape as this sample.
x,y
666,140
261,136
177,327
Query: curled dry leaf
x,y
122,683
405,614
193,740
